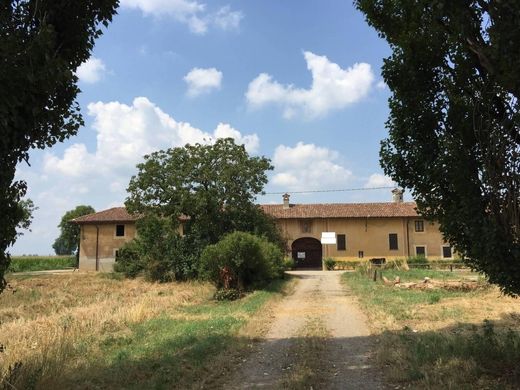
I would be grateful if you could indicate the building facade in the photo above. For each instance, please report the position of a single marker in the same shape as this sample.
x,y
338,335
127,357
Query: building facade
x,y
353,232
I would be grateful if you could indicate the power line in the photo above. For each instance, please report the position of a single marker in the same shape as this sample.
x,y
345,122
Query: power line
x,y
337,190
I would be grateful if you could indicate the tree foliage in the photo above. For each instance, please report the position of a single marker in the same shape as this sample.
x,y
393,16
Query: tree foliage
x,y
215,185
454,136
68,240
211,187
241,260
42,43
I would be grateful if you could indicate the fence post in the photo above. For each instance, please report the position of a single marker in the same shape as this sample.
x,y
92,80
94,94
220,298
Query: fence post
x,y
451,267
375,275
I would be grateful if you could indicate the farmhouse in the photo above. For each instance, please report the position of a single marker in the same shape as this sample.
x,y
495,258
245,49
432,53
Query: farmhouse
x,y
343,231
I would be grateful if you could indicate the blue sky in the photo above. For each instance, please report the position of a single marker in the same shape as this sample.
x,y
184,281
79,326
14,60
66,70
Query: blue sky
x,y
297,81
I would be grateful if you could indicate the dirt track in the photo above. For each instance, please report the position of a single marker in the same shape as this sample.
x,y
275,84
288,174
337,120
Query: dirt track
x,y
318,339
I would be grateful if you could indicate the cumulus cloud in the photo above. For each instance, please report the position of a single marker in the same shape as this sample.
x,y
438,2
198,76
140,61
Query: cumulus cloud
x,y
307,166
227,19
379,180
333,88
201,81
192,13
91,71
381,85
126,133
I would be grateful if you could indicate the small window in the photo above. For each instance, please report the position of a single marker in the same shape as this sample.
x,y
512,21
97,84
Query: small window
x,y
361,254
446,252
120,230
342,242
420,251
392,241
419,226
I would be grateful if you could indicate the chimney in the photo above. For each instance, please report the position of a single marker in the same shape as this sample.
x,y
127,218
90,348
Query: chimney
x,y
286,201
397,195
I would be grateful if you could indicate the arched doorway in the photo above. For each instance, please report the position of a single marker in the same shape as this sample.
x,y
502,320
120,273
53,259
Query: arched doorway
x,y
307,252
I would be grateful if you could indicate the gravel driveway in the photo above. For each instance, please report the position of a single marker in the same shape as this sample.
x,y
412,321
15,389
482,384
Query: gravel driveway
x,y
318,339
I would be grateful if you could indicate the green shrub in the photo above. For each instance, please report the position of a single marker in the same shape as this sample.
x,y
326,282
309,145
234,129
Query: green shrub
x,y
288,263
241,260
330,263
166,256
226,294
128,260
417,260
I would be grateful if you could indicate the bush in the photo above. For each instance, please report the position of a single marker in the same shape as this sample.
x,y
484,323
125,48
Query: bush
x,y
226,294
288,263
240,261
330,263
166,256
417,260
128,260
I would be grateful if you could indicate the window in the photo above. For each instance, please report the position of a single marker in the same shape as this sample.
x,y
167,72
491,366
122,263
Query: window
x,y
392,241
419,226
306,226
342,242
420,250
360,254
446,252
120,230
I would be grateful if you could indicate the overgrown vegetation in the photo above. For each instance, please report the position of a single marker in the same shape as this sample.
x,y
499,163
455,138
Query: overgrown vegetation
x,y
439,338
95,331
241,261
40,263
190,198
330,263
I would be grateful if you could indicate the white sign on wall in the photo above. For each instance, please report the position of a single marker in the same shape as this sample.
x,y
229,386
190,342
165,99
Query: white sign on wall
x,y
301,255
328,237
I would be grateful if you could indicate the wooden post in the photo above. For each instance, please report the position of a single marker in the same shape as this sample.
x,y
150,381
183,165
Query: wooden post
x,y
375,275
451,267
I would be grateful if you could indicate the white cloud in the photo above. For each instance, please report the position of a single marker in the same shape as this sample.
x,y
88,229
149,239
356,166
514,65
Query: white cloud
x,y
307,166
333,88
190,12
227,19
379,180
126,133
91,71
201,81
98,175
381,85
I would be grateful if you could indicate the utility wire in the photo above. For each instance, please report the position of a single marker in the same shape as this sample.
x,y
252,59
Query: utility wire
x,y
338,190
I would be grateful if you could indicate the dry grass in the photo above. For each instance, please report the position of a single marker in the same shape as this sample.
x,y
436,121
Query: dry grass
x,y
56,324
87,330
441,339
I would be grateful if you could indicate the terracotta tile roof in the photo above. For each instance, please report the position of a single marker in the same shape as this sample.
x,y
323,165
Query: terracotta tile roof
x,y
115,214
342,210
313,210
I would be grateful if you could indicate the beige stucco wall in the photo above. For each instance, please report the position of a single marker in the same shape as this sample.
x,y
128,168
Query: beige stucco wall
x,y
108,244
369,235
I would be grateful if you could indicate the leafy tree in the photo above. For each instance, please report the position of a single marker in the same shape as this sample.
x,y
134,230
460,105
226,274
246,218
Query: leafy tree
x,y
68,241
42,43
27,208
215,185
454,136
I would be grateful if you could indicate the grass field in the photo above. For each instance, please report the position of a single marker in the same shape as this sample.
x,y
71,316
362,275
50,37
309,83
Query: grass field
x,y
87,331
40,263
438,339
